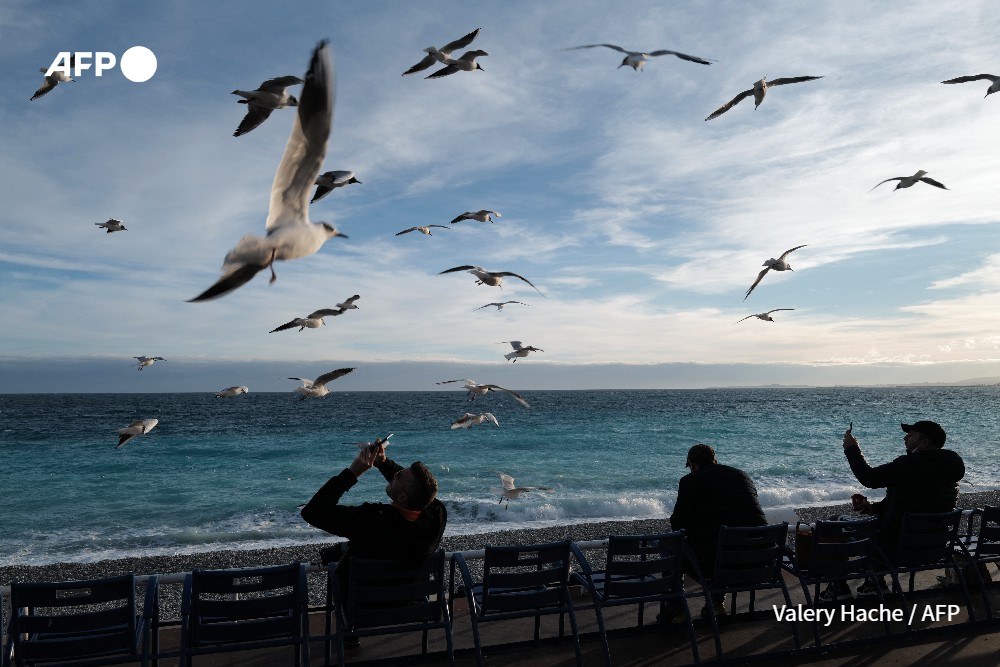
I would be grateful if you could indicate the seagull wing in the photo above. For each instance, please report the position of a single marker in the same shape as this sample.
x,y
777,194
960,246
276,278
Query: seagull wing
x,y
46,86
230,281
931,181
791,250
465,216
306,147
974,77
506,480
466,267
791,79
406,231
730,104
461,42
287,325
682,56
509,273
490,417
897,178
776,310
745,318
590,46
444,71
520,399
321,191
124,438
256,115
325,312
278,84
516,344
760,276
305,382
331,376
441,226
464,421
450,381
422,65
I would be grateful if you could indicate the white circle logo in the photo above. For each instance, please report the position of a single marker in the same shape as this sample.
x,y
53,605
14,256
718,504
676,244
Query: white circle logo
x,y
138,64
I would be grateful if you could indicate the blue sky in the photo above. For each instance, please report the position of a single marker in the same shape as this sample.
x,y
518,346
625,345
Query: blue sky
x,y
641,223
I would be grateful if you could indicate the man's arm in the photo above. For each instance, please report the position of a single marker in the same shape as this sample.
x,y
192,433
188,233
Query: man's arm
x,y
324,510
681,517
388,468
879,477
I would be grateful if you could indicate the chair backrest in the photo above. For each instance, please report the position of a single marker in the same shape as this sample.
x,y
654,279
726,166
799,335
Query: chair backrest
x,y
927,538
384,592
987,535
644,565
523,578
841,548
245,605
749,556
73,619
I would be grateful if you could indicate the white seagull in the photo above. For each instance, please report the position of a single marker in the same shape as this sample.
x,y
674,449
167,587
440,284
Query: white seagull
x,y
138,427
637,59
512,492
777,264
313,320
907,181
763,316
112,225
330,180
481,216
491,278
54,79
424,229
147,361
468,420
465,63
476,389
290,234
436,55
519,350
232,391
500,304
759,90
348,304
317,388
270,95
993,79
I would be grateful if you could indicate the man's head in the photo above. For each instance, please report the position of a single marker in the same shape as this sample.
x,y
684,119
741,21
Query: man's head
x,y
700,455
413,488
923,435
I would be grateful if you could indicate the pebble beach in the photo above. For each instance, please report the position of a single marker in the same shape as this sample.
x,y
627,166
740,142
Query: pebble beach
x,y
167,564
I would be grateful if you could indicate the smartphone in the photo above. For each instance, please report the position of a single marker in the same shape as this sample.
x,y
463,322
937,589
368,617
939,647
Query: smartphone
x,y
851,427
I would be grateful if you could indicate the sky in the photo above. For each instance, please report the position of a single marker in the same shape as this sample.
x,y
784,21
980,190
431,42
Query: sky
x,y
642,224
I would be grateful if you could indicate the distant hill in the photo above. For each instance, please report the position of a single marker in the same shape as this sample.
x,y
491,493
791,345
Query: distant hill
x,y
974,382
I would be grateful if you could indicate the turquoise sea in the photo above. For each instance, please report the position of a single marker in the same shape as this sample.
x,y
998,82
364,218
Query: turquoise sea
x,y
228,473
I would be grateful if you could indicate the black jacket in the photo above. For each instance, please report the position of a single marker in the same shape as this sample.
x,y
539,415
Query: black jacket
x,y
924,481
712,496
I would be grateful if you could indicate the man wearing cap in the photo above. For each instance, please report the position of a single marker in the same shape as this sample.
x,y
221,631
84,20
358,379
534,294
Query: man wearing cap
x,y
925,479
713,495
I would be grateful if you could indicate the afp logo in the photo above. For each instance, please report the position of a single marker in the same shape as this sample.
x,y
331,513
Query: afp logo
x,y
138,64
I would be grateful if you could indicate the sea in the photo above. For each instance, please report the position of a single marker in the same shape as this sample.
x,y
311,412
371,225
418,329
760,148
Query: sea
x,y
231,473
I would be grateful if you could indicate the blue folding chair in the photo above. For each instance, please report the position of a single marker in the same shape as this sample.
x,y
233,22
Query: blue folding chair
x,y
983,544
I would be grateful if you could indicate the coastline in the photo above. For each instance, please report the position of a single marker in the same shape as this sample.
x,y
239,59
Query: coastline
x,y
310,553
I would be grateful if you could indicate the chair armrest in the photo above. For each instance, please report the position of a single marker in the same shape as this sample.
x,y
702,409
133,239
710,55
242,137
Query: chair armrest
x,y
458,560
150,613
581,558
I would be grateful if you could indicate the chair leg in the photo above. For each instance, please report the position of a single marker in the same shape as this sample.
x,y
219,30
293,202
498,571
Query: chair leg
x,y
576,635
476,641
603,632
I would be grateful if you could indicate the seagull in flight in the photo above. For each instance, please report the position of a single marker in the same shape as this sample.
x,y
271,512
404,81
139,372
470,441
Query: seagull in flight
x,y
112,225
54,79
993,79
147,361
329,180
468,420
759,90
491,278
481,216
138,427
232,391
777,264
313,320
500,304
290,234
270,95
348,304
763,316
512,492
436,55
519,350
475,389
465,63
425,229
317,388
637,59
907,181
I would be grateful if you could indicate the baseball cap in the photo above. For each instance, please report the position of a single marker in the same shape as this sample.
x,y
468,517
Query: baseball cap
x,y
932,430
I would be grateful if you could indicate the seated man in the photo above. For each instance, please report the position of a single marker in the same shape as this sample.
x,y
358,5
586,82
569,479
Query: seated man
x,y
710,496
408,529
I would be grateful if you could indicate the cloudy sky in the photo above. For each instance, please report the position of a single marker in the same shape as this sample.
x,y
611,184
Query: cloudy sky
x,y
641,223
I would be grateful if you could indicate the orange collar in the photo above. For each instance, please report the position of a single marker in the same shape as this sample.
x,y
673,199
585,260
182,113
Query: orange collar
x,y
409,515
